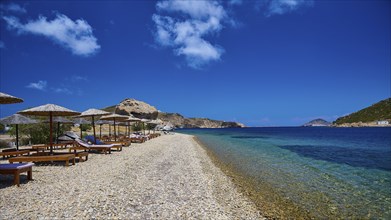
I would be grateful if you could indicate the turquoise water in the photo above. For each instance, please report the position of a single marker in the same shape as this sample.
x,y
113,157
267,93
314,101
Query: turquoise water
x,y
326,172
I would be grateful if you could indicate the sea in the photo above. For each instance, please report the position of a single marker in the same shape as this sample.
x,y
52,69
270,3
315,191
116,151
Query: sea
x,y
307,172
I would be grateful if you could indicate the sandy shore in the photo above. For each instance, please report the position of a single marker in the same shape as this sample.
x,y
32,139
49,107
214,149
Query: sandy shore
x,y
170,177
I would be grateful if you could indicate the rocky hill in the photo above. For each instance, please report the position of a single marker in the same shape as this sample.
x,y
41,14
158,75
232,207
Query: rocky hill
x,y
317,123
141,109
377,112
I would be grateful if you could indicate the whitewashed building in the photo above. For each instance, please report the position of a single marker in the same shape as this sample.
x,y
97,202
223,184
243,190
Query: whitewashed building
x,y
382,122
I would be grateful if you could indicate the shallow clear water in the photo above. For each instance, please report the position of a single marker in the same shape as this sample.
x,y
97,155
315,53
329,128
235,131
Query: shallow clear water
x,y
327,172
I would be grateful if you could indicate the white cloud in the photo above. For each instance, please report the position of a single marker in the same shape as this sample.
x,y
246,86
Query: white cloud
x,y
2,45
195,9
76,78
187,27
12,7
40,85
235,2
279,7
63,90
74,35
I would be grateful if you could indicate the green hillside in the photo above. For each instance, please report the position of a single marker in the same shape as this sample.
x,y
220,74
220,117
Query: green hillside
x,y
110,109
376,112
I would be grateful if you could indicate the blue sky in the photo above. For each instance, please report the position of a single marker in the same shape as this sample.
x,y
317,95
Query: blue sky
x,y
262,63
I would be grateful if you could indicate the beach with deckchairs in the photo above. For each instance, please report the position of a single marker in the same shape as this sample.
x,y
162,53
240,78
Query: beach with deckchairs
x,y
127,176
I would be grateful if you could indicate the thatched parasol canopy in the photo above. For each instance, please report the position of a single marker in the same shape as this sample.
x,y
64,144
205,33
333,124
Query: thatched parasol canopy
x,y
17,119
115,117
59,120
9,99
49,110
92,112
81,121
132,118
100,123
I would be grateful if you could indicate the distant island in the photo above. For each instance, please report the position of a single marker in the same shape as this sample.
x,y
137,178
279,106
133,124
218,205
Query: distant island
x,y
317,123
141,109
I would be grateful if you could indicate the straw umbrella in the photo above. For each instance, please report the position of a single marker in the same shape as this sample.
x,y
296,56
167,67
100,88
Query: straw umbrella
x,y
16,120
100,123
49,110
144,121
92,113
114,117
123,123
60,120
9,99
132,119
81,121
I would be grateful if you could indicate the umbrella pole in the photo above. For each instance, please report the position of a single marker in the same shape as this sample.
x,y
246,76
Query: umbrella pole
x,y
81,132
93,127
144,128
17,137
58,131
100,131
110,131
115,134
51,133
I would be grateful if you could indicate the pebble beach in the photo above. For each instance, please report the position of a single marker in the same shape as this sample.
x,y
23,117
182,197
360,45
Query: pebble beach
x,y
169,177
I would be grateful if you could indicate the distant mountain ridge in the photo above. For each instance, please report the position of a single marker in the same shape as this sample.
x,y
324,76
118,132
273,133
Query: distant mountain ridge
x,y
317,123
380,111
141,109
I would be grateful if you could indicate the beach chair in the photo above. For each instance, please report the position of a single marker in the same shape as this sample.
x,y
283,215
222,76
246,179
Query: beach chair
x,y
51,158
117,144
12,152
16,170
81,145
137,138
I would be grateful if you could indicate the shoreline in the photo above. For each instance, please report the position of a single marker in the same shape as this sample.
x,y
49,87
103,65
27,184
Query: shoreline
x,y
273,208
168,177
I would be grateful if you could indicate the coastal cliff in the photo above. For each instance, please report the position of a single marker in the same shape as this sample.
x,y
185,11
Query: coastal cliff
x,y
378,114
141,109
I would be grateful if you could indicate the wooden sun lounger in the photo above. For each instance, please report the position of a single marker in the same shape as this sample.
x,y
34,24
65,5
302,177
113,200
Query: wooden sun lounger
x,y
16,170
62,157
82,155
82,146
58,146
137,140
117,144
14,153
41,147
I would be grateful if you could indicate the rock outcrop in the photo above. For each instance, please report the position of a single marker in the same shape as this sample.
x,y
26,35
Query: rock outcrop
x,y
141,109
137,108
181,122
175,119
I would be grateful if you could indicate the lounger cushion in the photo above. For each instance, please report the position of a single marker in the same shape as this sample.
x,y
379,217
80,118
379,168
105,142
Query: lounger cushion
x,y
15,166
84,144
90,140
